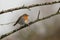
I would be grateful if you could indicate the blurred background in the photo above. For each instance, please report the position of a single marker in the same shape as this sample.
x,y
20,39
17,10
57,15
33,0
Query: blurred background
x,y
43,30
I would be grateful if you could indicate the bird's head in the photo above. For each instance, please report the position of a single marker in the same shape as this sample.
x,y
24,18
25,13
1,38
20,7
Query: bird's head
x,y
25,16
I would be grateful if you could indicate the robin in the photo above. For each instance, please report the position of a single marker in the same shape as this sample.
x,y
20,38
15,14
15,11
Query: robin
x,y
22,20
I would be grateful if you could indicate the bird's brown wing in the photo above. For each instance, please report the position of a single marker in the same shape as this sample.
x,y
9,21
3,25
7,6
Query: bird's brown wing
x,y
17,20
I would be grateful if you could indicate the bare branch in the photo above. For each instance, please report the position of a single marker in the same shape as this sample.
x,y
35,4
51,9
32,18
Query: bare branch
x,y
27,7
5,35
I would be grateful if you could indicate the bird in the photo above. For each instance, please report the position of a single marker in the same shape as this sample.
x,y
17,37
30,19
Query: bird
x,y
22,20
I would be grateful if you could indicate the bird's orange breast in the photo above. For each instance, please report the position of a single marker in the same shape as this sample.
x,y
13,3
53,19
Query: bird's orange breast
x,y
25,17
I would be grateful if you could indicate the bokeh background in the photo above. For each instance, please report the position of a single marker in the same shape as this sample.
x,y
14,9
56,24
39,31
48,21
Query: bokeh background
x,y
36,31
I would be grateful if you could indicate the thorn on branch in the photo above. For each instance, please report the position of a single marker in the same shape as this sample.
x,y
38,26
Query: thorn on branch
x,y
38,14
58,10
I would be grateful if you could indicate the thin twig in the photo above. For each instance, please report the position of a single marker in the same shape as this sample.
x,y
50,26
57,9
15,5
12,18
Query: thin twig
x,y
38,14
27,7
5,35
